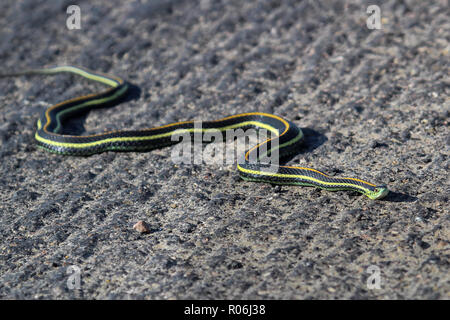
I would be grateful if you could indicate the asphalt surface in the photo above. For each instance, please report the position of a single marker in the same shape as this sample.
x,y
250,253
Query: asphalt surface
x,y
372,103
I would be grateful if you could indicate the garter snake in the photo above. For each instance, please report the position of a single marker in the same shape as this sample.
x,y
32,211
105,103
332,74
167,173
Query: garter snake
x,y
287,138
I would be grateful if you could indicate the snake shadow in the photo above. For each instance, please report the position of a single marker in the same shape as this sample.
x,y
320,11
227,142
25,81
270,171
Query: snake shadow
x,y
398,197
76,125
312,140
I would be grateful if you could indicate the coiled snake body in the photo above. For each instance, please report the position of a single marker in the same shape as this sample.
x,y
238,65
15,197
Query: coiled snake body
x,y
287,137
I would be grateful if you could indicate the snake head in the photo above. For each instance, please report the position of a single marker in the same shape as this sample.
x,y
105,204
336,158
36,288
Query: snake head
x,y
378,192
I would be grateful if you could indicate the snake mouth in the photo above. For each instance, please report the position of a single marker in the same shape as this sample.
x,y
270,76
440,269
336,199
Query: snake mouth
x,y
378,193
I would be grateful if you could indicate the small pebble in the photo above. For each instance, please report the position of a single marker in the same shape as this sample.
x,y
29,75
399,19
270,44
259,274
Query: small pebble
x,y
142,227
